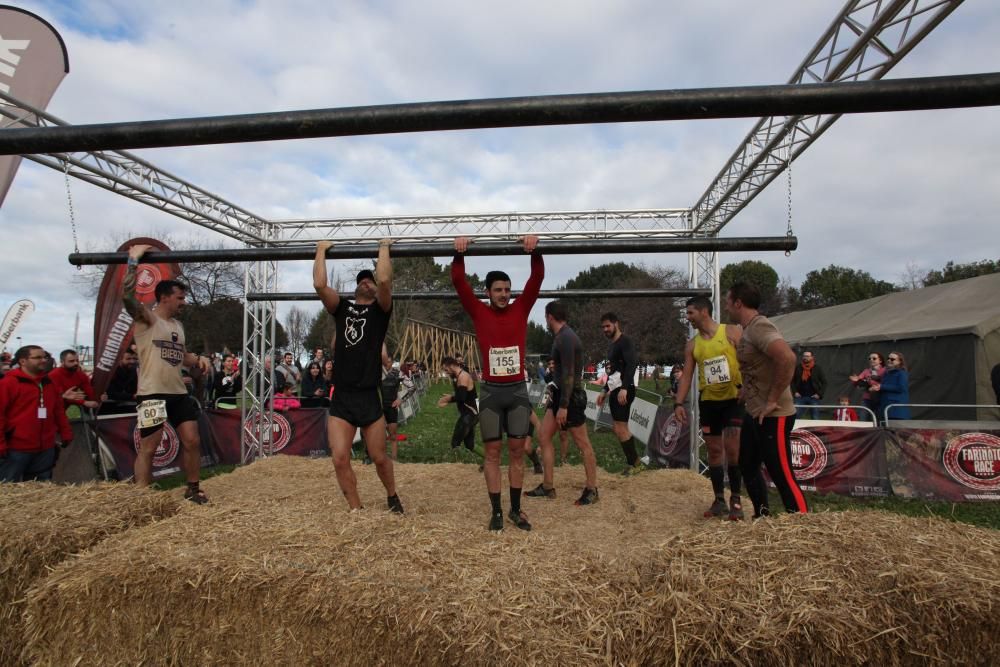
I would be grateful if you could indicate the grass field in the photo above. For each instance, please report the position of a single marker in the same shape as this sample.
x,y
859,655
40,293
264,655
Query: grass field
x,y
428,440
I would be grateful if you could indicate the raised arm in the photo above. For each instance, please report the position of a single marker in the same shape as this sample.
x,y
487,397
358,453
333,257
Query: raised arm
x,y
531,288
133,306
328,295
458,280
383,276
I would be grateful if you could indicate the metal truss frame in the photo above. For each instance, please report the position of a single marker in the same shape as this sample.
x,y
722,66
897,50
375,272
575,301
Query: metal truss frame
x,y
132,177
259,325
551,224
865,40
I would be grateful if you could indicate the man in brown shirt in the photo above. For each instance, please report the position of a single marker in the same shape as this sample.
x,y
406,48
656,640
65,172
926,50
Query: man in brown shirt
x,y
767,364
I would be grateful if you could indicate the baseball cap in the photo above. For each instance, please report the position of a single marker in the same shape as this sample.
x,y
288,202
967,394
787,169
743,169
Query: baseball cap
x,y
365,273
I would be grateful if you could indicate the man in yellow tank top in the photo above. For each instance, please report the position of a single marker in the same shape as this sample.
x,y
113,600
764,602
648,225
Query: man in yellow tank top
x,y
162,395
712,351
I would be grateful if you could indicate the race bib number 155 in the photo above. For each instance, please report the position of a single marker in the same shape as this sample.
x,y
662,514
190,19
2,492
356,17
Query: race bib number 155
x,y
505,361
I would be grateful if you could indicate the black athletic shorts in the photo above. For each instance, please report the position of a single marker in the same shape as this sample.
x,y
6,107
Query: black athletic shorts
x,y
180,408
576,411
620,413
357,408
504,408
391,413
718,415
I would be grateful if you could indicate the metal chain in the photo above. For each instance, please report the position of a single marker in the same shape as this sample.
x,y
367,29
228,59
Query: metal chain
x,y
72,213
788,172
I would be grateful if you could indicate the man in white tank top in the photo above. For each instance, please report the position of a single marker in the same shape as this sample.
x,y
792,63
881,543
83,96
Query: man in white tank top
x,y
162,395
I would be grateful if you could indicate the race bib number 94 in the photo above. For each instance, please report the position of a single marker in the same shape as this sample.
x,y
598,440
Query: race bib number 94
x,y
505,360
716,370
152,413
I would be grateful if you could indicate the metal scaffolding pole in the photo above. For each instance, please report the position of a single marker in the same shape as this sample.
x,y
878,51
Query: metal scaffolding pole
x,y
447,249
942,92
651,293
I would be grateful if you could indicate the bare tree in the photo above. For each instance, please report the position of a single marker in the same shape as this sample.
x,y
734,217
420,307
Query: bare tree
x,y
297,325
209,281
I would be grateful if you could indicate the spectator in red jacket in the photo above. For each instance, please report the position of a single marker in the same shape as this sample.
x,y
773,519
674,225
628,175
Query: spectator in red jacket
x,y
31,416
73,384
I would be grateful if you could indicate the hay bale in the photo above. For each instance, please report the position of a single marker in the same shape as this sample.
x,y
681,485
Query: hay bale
x,y
276,571
44,524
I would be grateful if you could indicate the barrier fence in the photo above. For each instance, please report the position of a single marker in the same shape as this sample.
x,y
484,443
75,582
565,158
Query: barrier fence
x,y
853,459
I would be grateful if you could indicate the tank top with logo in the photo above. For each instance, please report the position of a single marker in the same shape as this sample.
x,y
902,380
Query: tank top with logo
x,y
161,353
718,369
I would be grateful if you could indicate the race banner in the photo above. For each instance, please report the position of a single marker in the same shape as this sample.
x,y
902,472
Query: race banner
x,y
669,443
16,315
951,465
296,432
121,436
843,460
33,62
112,323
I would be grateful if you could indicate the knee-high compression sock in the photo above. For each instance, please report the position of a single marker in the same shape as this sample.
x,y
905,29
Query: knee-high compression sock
x,y
718,477
495,502
628,447
515,500
735,480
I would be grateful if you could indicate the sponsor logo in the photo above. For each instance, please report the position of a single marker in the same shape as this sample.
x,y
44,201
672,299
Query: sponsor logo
x,y
639,418
809,455
146,279
167,450
973,460
10,59
271,440
354,330
113,341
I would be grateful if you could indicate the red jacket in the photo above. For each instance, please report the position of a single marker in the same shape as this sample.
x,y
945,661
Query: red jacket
x,y
20,427
64,380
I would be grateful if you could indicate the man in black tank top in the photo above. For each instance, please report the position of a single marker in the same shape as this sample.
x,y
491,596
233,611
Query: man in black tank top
x,y
464,398
361,327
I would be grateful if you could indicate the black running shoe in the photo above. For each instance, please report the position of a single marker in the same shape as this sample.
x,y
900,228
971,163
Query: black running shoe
x,y
519,519
588,497
197,496
541,492
496,521
395,505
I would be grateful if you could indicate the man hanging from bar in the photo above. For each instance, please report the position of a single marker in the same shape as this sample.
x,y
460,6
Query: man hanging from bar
x,y
361,327
504,405
162,395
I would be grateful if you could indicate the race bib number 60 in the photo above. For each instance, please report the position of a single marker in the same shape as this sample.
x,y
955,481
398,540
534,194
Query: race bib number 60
x,y
152,413
505,361
716,370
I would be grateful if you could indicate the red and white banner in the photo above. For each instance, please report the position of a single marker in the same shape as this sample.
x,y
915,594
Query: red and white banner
x,y
845,461
296,432
121,436
936,464
112,324
33,62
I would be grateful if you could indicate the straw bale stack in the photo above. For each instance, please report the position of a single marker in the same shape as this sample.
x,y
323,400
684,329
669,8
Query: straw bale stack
x,y
276,571
44,524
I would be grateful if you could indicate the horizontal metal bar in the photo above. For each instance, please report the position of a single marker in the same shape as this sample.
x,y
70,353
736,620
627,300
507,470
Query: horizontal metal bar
x,y
447,249
944,92
653,292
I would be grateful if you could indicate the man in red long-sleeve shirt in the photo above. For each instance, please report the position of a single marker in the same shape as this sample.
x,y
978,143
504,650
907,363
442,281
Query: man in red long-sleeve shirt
x,y
504,405
69,376
31,417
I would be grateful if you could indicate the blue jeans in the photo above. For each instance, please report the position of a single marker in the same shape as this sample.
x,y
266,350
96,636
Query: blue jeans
x,y
807,400
27,466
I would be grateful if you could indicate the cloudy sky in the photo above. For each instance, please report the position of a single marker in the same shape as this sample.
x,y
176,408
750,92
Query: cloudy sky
x,y
887,193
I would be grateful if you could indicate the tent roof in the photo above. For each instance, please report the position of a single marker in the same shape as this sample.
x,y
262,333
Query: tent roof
x,y
967,306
